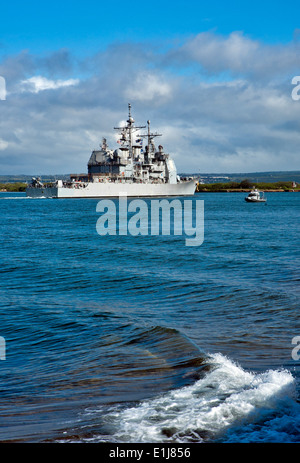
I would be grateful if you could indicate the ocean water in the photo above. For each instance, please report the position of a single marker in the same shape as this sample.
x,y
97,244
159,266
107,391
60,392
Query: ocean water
x,y
145,339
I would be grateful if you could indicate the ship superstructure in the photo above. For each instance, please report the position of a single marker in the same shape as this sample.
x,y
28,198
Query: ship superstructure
x,y
130,168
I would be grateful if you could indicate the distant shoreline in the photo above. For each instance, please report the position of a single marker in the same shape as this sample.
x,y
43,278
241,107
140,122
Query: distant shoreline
x,y
245,186
248,191
17,188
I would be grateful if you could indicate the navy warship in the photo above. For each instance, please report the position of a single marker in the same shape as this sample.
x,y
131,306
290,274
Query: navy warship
x,y
130,170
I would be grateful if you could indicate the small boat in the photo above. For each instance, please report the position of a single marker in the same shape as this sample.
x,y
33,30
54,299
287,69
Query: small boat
x,y
255,197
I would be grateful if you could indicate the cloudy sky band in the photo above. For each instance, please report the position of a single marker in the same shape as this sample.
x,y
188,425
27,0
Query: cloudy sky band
x,y
222,101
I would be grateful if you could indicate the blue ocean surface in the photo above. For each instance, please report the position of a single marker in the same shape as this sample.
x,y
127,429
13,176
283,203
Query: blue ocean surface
x,y
143,338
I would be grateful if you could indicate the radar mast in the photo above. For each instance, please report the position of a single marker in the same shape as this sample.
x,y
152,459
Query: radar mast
x,y
127,132
150,147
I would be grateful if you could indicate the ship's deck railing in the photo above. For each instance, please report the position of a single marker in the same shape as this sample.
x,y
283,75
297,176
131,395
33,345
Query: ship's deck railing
x,y
78,184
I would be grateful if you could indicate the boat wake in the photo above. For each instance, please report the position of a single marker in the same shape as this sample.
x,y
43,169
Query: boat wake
x,y
14,197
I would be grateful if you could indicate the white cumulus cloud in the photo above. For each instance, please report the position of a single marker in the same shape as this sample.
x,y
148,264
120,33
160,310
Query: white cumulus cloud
x,y
221,103
148,86
37,84
3,144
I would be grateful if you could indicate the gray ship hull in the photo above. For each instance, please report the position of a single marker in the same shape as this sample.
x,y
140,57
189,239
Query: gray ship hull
x,y
113,190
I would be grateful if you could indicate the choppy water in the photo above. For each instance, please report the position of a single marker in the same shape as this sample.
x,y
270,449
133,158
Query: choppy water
x,y
145,339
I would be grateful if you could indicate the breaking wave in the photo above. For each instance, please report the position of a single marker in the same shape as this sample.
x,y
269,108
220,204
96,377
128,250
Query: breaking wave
x,y
228,405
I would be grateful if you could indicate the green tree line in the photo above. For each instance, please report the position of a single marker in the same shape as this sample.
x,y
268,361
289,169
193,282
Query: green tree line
x,y
213,187
246,185
13,187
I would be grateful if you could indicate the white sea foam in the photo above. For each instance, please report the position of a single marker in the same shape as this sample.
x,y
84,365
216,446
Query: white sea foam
x,y
229,404
14,197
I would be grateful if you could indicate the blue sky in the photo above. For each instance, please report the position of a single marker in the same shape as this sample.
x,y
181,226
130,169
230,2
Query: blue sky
x,y
88,25
215,78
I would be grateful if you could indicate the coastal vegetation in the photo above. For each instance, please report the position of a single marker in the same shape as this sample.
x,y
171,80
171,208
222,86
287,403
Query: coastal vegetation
x,y
246,185
13,187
